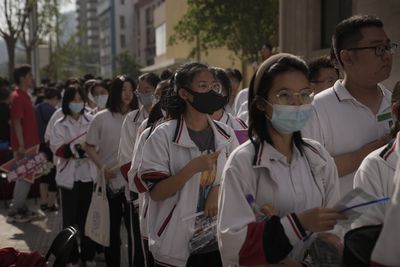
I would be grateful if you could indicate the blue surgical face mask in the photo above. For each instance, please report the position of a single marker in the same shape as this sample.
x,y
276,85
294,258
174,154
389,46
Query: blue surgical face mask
x,y
76,107
146,99
101,100
288,119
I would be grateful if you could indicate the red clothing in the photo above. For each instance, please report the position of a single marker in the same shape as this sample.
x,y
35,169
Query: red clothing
x,y
22,108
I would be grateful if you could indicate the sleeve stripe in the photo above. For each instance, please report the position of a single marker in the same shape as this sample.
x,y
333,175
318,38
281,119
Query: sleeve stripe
x,y
154,176
252,251
139,185
292,230
61,151
124,170
294,227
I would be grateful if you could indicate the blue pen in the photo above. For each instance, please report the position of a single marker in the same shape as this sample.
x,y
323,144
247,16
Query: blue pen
x,y
384,199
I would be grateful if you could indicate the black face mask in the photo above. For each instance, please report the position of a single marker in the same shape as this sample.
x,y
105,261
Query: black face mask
x,y
207,102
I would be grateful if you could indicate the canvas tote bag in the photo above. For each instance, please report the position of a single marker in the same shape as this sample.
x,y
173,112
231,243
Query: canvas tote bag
x,y
97,225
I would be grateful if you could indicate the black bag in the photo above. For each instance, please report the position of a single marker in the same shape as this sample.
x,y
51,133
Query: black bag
x,y
358,245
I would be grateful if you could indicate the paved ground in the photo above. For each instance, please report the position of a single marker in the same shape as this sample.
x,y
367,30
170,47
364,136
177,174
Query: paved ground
x,y
38,235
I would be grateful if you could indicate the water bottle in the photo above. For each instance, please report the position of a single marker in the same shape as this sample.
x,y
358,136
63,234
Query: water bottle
x,y
256,209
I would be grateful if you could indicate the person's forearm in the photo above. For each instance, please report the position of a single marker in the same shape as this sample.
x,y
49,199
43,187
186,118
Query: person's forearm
x,y
92,155
19,133
172,184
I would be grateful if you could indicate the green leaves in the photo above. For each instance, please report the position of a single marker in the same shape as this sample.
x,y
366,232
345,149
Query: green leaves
x,y
240,25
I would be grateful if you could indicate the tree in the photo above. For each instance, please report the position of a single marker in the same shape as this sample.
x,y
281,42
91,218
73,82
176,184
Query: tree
x,y
241,26
39,24
126,64
14,14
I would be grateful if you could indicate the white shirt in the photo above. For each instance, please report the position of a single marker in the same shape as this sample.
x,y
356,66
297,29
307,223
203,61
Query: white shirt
x,y
375,176
104,133
241,97
342,124
233,122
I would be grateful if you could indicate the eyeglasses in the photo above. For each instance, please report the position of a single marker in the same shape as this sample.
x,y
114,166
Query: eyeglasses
x,y
286,97
379,49
327,81
216,87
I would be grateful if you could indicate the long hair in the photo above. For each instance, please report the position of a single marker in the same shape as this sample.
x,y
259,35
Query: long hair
x,y
114,101
260,85
182,78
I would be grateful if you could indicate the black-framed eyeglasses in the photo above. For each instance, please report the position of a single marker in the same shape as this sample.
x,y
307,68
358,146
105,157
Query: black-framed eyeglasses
x,y
379,49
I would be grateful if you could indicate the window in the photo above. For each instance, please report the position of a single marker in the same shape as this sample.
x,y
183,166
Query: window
x,y
122,22
122,40
332,12
161,45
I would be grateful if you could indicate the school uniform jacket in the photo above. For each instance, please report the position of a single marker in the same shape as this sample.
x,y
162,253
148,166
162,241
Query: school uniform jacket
x,y
65,135
386,251
375,176
250,171
168,149
129,131
233,122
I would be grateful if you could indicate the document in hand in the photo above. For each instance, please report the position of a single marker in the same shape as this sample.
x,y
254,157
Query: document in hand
x,y
355,203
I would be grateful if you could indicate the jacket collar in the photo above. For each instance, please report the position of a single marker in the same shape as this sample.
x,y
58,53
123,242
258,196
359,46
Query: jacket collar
x,y
389,154
182,137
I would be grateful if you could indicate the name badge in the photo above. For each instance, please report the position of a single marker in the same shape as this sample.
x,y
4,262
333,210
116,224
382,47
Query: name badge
x,y
384,116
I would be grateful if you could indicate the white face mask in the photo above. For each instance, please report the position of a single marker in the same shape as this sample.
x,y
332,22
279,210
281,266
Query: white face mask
x,y
146,99
101,100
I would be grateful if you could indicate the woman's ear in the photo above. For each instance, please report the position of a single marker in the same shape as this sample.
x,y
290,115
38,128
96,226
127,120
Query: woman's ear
x,y
184,94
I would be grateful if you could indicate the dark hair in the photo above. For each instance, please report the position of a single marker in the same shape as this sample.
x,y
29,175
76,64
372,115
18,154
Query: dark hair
x,y
166,74
156,113
98,83
88,76
258,124
115,95
21,71
348,32
234,73
182,78
396,100
224,80
4,93
72,81
150,78
267,45
51,92
316,64
69,96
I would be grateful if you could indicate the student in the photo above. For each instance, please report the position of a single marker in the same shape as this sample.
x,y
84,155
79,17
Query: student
x,y
75,172
352,118
323,74
98,94
101,146
386,250
223,115
276,170
24,135
178,167
44,111
235,78
145,94
376,172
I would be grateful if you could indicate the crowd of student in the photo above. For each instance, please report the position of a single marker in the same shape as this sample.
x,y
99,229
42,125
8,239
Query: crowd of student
x,y
188,193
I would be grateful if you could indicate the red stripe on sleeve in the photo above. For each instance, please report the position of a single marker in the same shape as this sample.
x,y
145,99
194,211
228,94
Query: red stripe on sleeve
x,y
139,185
252,251
154,176
61,151
124,170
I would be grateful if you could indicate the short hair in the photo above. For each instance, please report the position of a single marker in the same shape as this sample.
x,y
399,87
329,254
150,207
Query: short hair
x,y
150,78
316,64
234,73
51,93
348,32
21,71
166,74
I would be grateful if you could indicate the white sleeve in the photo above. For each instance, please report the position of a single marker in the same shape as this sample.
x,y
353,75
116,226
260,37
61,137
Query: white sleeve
x,y
50,125
127,142
386,249
57,137
368,179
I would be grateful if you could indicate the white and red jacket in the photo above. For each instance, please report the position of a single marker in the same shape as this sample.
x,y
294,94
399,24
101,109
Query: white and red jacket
x,y
129,132
66,133
309,181
375,176
168,149
387,250
233,122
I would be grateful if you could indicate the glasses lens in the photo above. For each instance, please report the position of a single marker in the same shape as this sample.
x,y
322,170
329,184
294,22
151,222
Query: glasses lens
x,y
381,49
393,48
306,96
285,97
216,87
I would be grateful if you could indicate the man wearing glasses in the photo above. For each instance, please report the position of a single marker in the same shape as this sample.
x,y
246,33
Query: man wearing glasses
x,y
352,118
